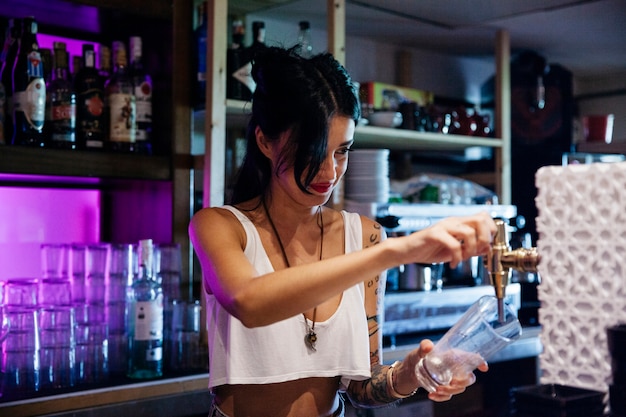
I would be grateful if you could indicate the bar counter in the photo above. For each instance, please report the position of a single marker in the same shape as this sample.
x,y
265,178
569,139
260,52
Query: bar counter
x,y
173,397
189,396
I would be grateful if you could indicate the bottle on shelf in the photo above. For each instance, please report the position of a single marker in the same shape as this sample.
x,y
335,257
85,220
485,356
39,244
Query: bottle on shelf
x,y
120,103
46,60
235,64
29,89
61,102
3,93
9,53
258,44
145,318
199,57
105,63
3,103
77,64
89,103
142,87
304,39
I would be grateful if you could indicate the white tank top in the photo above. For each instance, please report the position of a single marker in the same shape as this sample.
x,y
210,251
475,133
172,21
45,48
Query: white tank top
x,y
277,352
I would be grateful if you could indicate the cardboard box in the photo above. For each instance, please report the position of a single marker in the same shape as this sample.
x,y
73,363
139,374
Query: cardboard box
x,y
388,97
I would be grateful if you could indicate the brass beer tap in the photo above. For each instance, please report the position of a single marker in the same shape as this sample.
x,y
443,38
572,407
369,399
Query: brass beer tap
x,y
501,260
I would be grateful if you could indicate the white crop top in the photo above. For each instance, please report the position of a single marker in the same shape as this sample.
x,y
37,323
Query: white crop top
x,y
277,352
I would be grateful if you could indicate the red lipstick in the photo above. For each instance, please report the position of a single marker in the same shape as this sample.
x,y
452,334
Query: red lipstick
x,y
320,187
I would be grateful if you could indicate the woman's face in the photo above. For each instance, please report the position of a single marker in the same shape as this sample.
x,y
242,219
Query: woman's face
x,y
340,140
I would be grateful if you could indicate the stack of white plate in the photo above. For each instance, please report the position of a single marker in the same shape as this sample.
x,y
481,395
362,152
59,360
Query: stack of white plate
x,y
367,178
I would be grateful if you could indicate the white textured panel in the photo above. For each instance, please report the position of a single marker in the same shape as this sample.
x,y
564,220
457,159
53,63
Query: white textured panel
x,y
582,242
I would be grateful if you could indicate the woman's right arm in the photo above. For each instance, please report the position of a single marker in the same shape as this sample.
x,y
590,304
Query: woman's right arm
x,y
219,240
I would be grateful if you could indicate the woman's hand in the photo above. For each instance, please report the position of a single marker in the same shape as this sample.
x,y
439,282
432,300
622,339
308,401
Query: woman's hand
x,y
457,385
405,378
452,240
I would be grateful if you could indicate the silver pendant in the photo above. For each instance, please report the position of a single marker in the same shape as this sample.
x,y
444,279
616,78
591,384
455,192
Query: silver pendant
x,y
309,339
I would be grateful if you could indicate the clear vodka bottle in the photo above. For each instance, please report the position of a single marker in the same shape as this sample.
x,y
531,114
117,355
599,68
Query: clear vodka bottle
x,y
145,318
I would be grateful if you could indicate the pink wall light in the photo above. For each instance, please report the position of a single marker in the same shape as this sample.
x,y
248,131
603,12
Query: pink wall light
x,y
32,216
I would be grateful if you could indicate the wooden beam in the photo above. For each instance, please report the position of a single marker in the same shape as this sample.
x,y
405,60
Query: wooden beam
x,y
336,15
215,122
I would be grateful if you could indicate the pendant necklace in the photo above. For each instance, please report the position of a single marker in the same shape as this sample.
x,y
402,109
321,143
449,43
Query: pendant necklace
x,y
310,337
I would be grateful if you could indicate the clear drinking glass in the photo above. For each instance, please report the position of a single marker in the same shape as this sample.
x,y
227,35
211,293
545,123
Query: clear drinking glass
x,y
54,260
472,340
96,271
19,363
54,292
92,362
21,292
77,272
122,262
186,349
168,268
57,347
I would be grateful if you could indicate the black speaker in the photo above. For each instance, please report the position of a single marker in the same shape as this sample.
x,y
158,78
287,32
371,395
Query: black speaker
x,y
542,109
541,104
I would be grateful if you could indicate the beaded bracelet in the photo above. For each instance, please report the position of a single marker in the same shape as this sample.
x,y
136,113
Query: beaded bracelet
x,y
392,389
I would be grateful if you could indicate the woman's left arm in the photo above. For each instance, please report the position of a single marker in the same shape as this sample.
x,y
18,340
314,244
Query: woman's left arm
x,y
373,392
389,384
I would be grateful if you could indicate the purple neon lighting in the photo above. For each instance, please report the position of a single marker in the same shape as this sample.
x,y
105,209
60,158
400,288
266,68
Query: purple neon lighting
x,y
31,216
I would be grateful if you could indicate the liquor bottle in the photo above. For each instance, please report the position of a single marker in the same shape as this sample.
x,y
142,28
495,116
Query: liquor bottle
x,y
46,61
200,52
3,109
11,44
61,100
258,44
120,103
142,87
105,63
3,93
89,103
145,318
29,89
304,39
235,60
77,64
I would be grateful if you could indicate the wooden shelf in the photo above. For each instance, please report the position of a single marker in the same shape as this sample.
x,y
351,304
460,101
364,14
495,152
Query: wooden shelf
x,y
401,139
378,137
70,163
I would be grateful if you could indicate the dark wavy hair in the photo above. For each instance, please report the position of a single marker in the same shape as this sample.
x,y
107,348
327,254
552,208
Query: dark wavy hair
x,y
299,95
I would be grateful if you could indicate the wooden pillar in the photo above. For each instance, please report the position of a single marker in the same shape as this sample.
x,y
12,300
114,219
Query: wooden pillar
x,y
336,15
215,116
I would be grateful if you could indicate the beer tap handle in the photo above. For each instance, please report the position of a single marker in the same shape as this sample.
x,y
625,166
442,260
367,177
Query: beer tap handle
x,y
501,260
499,273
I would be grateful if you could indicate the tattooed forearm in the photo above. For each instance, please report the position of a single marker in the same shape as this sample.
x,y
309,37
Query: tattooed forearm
x,y
371,392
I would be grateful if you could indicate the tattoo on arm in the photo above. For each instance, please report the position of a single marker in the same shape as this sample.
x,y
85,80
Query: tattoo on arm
x,y
374,237
373,325
372,392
